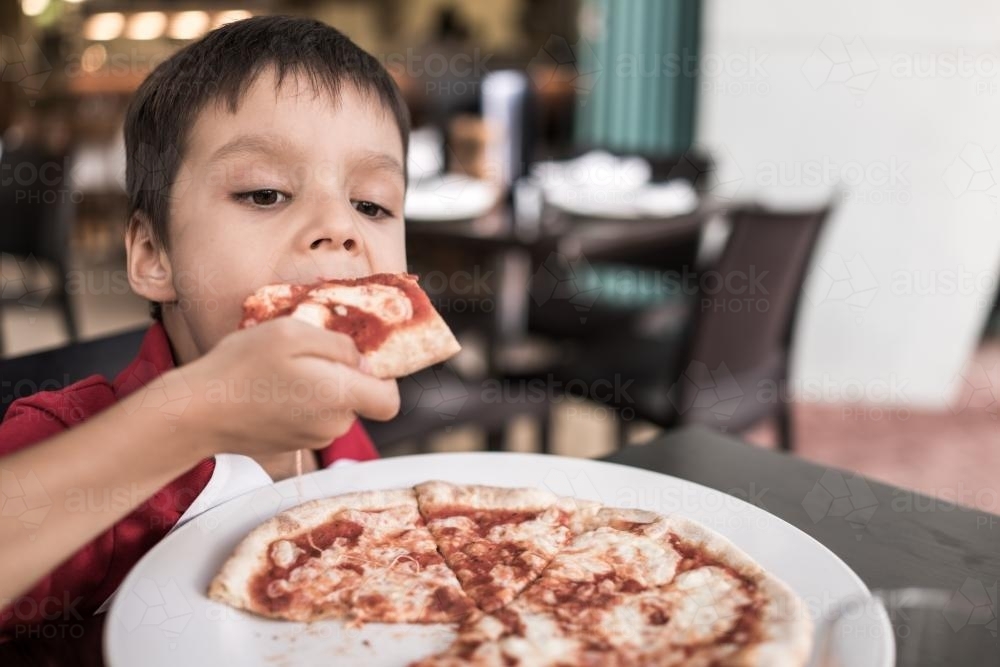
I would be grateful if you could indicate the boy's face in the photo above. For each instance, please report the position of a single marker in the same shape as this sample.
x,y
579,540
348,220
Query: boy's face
x,y
291,188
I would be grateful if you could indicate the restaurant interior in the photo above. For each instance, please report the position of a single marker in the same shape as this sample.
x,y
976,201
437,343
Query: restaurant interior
x,y
881,356
773,221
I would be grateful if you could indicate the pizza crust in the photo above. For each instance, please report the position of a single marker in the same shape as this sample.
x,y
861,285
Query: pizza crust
x,y
785,622
410,349
231,585
434,496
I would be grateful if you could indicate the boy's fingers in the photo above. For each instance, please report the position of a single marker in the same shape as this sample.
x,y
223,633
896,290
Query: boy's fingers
x,y
306,340
348,388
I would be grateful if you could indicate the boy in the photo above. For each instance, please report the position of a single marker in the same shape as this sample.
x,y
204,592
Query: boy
x,y
270,151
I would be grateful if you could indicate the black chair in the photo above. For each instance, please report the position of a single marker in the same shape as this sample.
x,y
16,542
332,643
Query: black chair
x,y
438,399
592,315
720,358
38,213
60,367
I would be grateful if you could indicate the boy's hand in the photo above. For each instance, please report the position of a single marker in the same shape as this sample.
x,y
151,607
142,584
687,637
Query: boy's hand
x,y
281,386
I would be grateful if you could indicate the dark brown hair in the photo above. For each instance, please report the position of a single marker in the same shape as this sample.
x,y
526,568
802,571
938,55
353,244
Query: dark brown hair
x,y
221,67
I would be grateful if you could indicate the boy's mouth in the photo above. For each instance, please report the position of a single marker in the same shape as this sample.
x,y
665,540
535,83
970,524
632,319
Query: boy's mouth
x,y
331,277
347,275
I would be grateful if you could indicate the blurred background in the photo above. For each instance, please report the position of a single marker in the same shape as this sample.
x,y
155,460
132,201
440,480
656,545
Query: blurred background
x,y
777,219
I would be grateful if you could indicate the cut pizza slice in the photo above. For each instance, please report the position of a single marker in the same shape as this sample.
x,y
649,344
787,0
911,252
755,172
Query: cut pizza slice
x,y
641,589
498,540
390,318
360,557
573,614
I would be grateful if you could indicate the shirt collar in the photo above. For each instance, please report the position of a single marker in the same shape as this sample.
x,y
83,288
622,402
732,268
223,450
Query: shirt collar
x,y
153,360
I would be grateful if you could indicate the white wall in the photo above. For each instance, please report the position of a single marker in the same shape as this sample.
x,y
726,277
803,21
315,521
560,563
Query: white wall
x,y
910,118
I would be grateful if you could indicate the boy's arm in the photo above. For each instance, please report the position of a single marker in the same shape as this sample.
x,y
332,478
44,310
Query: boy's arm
x,y
124,455
129,452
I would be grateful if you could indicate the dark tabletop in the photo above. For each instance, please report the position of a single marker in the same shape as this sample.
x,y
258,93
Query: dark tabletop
x,y
891,537
499,230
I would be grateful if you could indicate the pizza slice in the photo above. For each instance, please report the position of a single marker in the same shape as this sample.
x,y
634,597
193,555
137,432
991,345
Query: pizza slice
x,y
389,317
360,557
641,589
497,540
570,614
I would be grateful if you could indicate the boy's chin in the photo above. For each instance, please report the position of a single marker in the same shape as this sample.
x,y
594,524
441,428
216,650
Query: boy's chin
x,y
193,334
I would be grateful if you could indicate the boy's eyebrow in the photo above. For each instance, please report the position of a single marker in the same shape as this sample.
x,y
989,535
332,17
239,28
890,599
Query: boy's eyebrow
x,y
252,143
375,161
275,144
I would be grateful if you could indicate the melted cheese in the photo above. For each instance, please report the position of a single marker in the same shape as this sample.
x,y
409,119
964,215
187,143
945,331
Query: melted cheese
x,y
373,578
312,313
705,604
284,553
388,302
610,551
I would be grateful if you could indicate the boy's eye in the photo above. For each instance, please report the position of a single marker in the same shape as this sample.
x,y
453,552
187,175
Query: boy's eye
x,y
262,198
371,209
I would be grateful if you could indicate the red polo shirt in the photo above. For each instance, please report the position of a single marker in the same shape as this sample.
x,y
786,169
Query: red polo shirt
x,y
82,582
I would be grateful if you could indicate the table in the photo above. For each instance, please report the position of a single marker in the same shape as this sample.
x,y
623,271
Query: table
x,y
908,539
517,249
498,230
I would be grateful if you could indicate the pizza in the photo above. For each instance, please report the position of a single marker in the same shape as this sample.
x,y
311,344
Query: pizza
x,y
359,557
641,590
389,317
526,577
496,540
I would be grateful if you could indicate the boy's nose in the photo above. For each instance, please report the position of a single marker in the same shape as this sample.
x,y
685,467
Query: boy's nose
x,y
331,230
348,244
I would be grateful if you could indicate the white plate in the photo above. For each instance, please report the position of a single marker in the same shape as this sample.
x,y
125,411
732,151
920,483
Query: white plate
x,y
448,198
161,616
651,201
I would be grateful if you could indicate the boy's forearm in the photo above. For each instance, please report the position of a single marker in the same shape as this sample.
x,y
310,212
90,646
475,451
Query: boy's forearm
x,y
122,456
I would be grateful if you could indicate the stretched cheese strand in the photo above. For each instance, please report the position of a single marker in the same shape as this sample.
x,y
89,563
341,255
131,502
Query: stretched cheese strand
x,y
298,471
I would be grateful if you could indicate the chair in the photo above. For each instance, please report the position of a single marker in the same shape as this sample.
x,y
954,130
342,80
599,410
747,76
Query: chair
x,y
726,363
38,210
60,367
438,399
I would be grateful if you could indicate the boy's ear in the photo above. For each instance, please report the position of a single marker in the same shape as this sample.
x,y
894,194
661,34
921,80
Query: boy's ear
x,y
149,271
